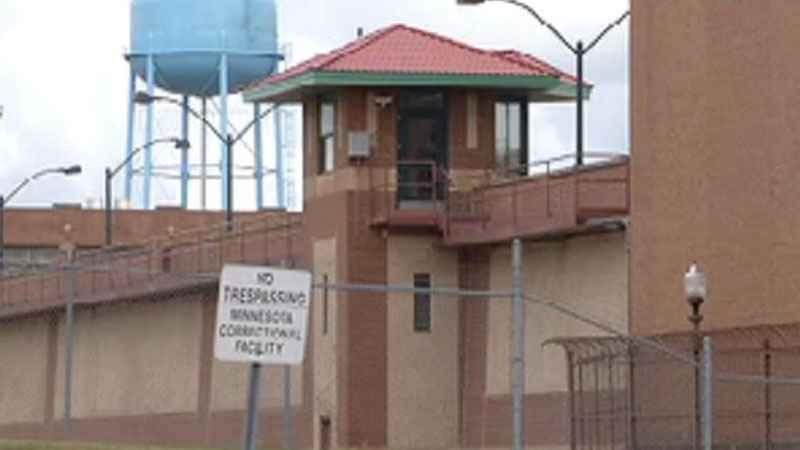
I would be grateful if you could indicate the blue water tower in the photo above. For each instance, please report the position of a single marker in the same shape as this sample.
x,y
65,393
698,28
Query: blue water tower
x,y
203,49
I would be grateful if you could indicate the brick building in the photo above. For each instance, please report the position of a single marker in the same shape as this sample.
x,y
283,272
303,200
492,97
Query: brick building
x,y
434,198
418,171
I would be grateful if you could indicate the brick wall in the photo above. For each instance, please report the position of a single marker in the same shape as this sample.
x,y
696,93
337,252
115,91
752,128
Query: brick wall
x,y
715,88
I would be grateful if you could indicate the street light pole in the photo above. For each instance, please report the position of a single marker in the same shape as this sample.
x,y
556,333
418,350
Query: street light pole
x,y
4,199
696,292
109,206
578,50
229,143
109,175
228,139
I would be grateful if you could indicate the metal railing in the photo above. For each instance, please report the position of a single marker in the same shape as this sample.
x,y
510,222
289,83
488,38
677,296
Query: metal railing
x,y
554,190
175,261
411,185
546,190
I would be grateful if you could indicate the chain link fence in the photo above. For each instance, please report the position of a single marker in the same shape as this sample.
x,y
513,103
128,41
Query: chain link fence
x,y
648,393
118,346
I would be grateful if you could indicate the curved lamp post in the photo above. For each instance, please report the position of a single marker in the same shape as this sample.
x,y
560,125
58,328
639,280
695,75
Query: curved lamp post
x,y
66,171
696,290
179,144
143,98
579,50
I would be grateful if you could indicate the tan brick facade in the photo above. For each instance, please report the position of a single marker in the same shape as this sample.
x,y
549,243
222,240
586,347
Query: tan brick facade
x,y
377,382
714,160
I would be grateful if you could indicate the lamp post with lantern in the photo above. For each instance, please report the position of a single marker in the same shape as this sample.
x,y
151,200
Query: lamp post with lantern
x,y
4,199
695,286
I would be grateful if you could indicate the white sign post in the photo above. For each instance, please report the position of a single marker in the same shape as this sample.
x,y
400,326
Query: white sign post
x,y
262,318
262,315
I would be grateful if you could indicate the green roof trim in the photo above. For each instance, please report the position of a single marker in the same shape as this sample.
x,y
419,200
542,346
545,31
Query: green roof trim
x,y
545,84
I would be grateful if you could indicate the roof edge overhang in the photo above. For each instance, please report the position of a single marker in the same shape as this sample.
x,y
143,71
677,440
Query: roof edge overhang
x,y
539,88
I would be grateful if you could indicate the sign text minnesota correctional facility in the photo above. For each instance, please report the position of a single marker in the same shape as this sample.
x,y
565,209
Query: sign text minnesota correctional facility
x,y
262,315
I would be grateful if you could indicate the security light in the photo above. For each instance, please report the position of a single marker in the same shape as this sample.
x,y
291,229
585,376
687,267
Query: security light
x,y
182,144
72,170
143,98
695,284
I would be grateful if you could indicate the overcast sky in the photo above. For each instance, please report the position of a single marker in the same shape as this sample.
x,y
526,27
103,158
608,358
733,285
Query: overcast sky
x,y
63,81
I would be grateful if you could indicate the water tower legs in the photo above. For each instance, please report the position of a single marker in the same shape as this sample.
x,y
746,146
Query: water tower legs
x,y
259,156
148,149
129,143
223,128
204,157
279,184
185,153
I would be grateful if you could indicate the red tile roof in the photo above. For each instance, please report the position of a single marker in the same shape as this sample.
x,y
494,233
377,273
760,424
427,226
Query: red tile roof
x,y
537,64
401,49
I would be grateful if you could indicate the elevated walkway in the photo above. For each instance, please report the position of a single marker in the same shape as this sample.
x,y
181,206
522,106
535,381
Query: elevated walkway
x,y
175,263
556,198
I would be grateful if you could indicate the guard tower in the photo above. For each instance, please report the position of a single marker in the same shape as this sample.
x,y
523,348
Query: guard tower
x,y
400,128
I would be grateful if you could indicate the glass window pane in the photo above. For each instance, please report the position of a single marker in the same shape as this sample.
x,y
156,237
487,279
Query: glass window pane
x,y
422,303
327,118
329,153
501,139
510,133
422,100
423,143
515,127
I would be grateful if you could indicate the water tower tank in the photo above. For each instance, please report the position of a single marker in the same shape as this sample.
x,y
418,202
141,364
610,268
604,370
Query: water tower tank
x,y
188,37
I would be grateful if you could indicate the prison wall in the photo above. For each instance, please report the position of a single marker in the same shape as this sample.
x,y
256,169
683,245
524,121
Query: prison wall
x,y
24,346
587,275
144,373
423,365
715,87
326,340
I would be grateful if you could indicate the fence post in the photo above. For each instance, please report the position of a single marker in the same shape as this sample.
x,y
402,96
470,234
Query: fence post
x,y
69,329
597,410
612,401
631,435
708,395
519,348
581,417
288,425
571,387
252,407
767,396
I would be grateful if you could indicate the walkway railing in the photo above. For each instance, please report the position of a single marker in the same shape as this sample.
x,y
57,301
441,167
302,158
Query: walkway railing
x,y
471,207
413,191
555,196
177,261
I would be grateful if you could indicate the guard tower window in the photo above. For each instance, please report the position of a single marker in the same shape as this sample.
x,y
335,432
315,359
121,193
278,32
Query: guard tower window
x,y
422,304
327,136
511,125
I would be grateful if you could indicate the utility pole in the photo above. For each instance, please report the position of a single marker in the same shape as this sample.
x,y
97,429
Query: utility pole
x,y
518,387
708,395
579,50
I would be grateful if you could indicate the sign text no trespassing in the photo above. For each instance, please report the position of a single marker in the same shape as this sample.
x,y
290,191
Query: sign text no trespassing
x,y
262,315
